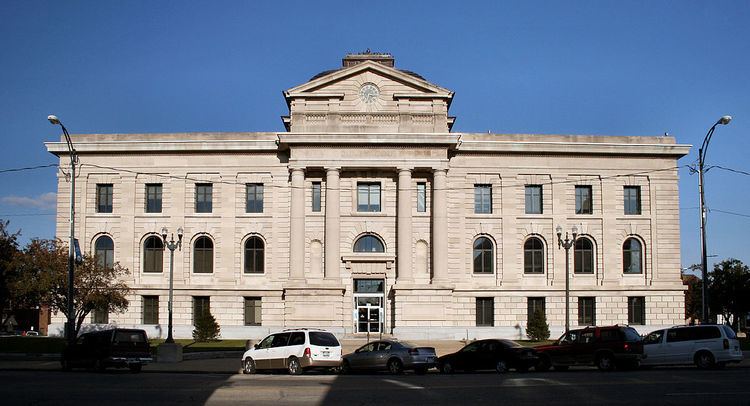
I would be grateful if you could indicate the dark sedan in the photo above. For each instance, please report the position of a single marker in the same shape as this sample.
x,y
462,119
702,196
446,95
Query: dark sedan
x,y
500,355
391,355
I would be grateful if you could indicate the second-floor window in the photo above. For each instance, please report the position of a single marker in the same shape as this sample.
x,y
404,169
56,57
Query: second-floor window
x,y
584,200
153,198
368,196
483,199
104,198
421,197
533,199
316,197
632,199
203,198
254,198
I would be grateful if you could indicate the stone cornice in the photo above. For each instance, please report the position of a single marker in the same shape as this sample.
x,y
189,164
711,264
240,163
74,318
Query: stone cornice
x,y
369,139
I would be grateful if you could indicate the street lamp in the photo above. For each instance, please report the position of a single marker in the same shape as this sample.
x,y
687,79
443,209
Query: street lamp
x,y
70,325
724,120
566,243
171,245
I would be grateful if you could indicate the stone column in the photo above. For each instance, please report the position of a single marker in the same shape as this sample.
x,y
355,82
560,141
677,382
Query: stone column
x,y
333,224
404,231
297,226
439,225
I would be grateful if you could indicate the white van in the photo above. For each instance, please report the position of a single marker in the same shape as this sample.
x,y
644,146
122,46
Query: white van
x,y
706,346
294,350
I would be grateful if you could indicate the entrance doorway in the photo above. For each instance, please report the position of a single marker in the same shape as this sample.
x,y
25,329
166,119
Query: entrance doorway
x,y
369,305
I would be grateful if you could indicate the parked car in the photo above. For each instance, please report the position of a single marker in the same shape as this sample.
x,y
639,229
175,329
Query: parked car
x,y
119,348
294,350
500,355
391,355
605,347
706,346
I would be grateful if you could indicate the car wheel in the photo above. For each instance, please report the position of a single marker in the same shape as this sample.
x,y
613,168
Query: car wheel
x,y
560,367
605,362
248,366
293,366
395,366
447,368
135,368
346,368
501,366
704,360
544,364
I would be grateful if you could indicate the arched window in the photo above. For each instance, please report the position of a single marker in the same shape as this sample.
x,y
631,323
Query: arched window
x,y
254,255
483,262
632,256
153,249
583,256
533,256
104,250
203,255
369,243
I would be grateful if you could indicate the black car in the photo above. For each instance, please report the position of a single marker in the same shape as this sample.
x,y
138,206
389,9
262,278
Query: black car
x,y
119,348
500,355
605,347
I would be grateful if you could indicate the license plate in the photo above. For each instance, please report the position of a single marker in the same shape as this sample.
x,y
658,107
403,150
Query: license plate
x,y
326,353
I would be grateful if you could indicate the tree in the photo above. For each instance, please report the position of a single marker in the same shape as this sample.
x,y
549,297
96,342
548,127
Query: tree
x,y
45,272
206,328
538,329
8,253
729,290
693,296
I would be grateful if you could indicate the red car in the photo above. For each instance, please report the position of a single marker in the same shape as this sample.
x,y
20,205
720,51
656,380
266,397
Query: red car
x,y
605,347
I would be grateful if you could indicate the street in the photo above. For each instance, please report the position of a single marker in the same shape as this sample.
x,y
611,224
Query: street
x,y
664,386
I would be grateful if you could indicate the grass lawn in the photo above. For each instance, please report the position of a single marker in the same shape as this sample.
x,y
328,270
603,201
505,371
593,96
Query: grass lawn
x,y
192,346
32,345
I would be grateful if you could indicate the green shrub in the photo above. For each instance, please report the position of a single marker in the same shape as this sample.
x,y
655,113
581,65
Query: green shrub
x,y
206,328
538,329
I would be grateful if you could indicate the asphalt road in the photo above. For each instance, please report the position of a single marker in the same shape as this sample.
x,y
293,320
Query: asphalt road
x,y
663,386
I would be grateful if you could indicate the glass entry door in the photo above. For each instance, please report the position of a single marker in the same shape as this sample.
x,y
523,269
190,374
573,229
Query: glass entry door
x,y
369,305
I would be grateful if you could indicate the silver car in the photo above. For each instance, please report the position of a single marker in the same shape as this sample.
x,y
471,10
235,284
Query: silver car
x,y
391,355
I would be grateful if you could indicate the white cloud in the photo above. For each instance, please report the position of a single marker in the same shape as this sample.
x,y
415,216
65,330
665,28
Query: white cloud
x,y
43,201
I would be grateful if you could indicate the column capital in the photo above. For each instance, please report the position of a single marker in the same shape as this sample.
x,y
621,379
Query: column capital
x,y
294,169
332,169
405,169
441,171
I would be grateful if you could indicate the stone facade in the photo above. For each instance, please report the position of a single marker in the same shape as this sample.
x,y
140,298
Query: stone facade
x,y
371,125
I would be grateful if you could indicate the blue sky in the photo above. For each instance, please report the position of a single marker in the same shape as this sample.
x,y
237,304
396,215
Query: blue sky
x,y
587,67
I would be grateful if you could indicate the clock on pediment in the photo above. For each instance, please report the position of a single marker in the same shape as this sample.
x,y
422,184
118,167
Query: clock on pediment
x,y
368,93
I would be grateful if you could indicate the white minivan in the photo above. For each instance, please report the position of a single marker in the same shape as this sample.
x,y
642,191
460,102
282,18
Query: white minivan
x,y
294,350
706,346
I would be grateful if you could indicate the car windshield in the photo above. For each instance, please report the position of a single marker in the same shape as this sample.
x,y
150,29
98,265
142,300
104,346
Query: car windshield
x,y
407,344
729,332
654,338
510,344
129,337
632,335
323,339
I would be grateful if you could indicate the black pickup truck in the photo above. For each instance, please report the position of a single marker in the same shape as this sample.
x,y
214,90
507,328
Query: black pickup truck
x,y
119,348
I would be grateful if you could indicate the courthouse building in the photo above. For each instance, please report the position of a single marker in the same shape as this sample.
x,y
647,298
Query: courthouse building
x,y
370,215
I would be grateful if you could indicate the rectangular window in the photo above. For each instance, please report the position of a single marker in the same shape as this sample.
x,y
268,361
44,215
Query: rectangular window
x,y
316,197
583,200
254,198
201,307
368,196
482,199
153,198
203,198
150,309
535,304
637,310
586,311
104,198
632,199
100,316
485,311
421,197
252,311
533,199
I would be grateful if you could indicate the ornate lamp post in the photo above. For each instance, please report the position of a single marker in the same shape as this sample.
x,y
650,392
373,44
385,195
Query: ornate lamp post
x,y
724,120
70,325
171,245
567,243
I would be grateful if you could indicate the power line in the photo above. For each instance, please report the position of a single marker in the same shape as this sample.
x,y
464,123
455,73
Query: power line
x,y
731,170
28,168
729,212
28,214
